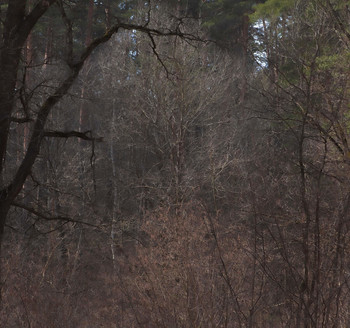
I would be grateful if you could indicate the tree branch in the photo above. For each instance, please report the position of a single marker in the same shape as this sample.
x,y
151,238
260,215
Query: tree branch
x,y
32,18
21,120
51,218
339,22
39,125
155,52
87,135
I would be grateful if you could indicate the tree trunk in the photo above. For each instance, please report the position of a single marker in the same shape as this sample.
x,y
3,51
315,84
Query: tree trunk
x,y
9,61
17,27
83,119
8,67
244,43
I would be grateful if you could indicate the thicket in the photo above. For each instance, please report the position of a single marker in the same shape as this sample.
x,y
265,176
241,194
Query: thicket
x,y
194,173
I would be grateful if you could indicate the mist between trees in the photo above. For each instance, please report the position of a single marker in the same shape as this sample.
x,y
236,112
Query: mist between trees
x,y
174,163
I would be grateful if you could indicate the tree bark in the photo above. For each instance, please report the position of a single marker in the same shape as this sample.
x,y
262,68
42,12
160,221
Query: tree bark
x,y
17,27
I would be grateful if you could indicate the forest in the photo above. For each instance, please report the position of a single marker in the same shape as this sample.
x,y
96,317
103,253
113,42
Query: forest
x,y
174,163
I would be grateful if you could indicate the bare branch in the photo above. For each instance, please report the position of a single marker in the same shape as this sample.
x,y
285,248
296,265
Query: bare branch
x,y
155,52
51,218
87,135
339,22
39,126
148,20
21,120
